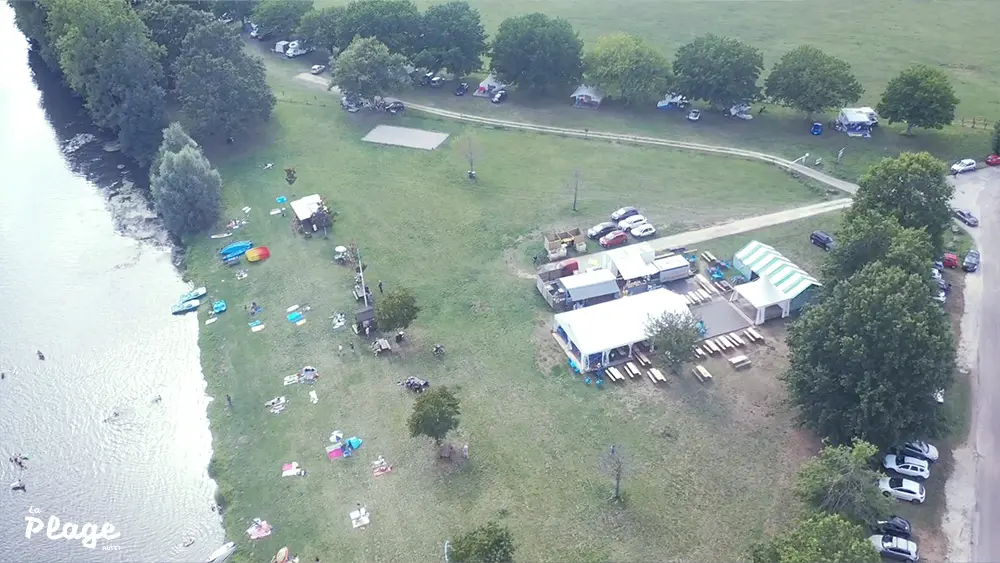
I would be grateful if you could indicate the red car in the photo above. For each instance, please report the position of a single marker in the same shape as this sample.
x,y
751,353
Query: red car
x,y
993,160
614,238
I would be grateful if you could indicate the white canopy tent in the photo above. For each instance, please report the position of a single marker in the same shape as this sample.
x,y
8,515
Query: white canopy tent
x,y
587,97
761,294
632,262
488,86
306,207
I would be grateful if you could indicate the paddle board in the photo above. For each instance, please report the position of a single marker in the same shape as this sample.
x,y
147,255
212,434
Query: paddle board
x,y
300,322
257,328
274,211
212,320
292,308
222,235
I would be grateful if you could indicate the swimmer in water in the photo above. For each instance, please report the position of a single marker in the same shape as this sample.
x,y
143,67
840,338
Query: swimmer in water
x,y
41,356
18,486
157,399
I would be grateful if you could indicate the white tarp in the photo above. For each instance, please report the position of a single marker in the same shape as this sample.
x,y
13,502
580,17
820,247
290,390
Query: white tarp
x,y
488,86
305,208
587,95
617,323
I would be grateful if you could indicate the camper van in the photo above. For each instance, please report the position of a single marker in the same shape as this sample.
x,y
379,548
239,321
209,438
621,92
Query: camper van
x,y
295,49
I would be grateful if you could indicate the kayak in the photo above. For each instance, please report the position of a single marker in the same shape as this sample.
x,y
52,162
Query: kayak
x,y
196,293
258,254
236,248
185,307
231,260
222,554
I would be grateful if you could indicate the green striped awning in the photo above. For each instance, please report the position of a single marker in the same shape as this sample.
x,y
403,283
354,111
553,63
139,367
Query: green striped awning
x,y
770,264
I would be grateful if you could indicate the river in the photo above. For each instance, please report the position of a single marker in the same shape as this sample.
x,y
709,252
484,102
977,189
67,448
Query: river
x,y
86,277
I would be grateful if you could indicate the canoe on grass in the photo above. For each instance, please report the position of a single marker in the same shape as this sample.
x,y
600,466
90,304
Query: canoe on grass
x,y
185,307
196,293
236,248
258,254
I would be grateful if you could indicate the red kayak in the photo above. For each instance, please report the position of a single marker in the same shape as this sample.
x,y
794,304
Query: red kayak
x,y
258,254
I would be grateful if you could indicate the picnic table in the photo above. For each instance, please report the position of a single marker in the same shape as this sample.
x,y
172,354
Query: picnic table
x,y
655,375
739,362
632,370
701,373
643,360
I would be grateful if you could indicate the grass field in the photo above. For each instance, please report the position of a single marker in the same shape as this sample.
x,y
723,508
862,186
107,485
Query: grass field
x,y
535,432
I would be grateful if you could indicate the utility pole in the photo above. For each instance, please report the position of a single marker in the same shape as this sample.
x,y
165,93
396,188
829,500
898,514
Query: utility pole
x,y
361,275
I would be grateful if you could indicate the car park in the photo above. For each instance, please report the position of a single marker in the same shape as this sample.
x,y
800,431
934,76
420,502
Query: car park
x,y
822,240
966,217
906,465
644,230
601,229
894,547
993,160
614,238
462,88
499,96
630,223
971,262
895,526
917,448
316,69
964,165
694,115
902,489
624,213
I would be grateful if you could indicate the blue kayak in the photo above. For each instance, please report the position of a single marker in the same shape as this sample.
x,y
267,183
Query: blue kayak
x,y
185,307
196,293
236,248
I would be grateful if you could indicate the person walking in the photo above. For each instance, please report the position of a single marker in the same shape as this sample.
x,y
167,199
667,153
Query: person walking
x,y
229,401
380,287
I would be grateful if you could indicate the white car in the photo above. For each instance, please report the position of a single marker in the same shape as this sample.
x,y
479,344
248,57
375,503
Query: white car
x,y
892,547
964,165
642,231
316,69
923,450
906,465
935,274
902,489
630,223
694,115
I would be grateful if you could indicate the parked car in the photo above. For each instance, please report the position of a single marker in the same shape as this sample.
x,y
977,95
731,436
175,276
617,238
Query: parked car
x,y
316,69
614,238
971,262
499,96
935,274
630,223
395,107
601,229
950,260
906,465
822,240
624,213
643,231
941,297
437,82
964,165
966,217
993,160
895,526
893,547
917,448
426,79
694,115
352,105
462,88
902,489
939,396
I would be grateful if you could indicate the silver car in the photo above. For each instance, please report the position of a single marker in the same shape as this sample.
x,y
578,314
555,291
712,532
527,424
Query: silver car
x,y
906,465
893,547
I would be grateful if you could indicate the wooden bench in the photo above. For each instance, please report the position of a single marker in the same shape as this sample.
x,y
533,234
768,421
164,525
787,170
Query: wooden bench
x,y
656,374
632,370
749,335
711,346
755,334
725,342
736,337
705,296
739,362
651,377
701,374
698,352
618,375
643,360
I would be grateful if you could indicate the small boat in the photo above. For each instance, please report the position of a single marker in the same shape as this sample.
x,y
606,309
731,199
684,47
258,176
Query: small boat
x,y
219,307
185,307
196,293
258,254
222,554
231,260
238,247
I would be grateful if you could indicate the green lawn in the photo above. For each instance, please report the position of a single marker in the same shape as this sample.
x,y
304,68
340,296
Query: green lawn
x,y
535,432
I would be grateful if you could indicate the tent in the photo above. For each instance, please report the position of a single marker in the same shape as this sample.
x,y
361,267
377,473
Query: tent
x,y
671,101
857,122
304,209
777,286
488,86
587,97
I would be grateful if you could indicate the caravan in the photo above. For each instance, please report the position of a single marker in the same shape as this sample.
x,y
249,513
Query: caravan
x,y
295,48
857,122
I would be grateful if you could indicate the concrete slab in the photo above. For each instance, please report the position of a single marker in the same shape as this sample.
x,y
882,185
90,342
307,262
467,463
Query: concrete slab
x,y
405,137
720,317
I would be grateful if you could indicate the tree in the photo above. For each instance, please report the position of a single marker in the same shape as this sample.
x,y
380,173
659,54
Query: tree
x,y
812,81
186,191
453,38
221,88
913,189
675,334
175,138
537,53
435,413
322,28
840,480
395,23
719,70
368,70
280,17
827,538
866,236
615,464
397,309
866,360
169,23
236,9
491,543
995,145
921,96
628,67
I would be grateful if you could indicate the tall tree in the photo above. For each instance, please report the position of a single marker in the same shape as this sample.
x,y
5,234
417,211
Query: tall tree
x,y
368,70
921,96
169,23
30,18
435,413
280,18
237,9
913,189
397,309
826,538
537,53
719,70
628,67
186,191
840,480
321,28
221,88
674,334
175,138
812,81
453,38
491,543
867,359
395,23
867,236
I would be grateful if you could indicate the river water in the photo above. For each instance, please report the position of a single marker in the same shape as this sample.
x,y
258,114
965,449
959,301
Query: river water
x,y
86,277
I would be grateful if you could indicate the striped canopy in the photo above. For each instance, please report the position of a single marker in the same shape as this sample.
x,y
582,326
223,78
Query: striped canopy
x,y
770,264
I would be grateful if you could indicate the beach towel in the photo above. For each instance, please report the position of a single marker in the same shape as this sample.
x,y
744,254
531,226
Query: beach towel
x,y
334,452
259,529
381,470
313,398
